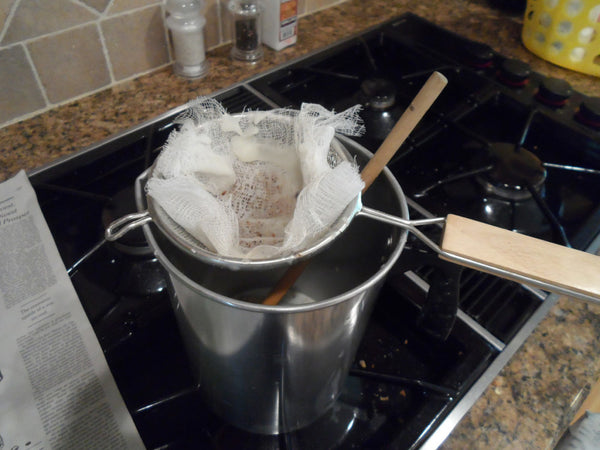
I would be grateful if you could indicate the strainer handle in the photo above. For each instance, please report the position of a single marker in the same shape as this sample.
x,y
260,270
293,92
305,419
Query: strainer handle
x,y
507,254
120,227
410,225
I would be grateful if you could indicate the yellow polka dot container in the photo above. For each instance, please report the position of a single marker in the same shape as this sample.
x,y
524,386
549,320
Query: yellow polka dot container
x,y
564,32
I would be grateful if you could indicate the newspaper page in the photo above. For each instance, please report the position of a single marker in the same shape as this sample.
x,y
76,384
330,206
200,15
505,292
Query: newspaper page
x,y
56,390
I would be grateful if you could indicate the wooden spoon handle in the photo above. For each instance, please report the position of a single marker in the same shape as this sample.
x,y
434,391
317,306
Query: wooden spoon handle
x,y
407,122
540,260
285,283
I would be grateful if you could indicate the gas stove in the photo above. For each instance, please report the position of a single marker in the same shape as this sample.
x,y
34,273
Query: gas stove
x,y
502,144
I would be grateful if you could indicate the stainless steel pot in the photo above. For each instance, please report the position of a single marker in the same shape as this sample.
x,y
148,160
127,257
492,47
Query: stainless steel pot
x,y
274,369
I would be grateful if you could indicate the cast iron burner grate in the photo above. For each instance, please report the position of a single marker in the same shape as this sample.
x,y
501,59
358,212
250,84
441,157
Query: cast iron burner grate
x,y
513,168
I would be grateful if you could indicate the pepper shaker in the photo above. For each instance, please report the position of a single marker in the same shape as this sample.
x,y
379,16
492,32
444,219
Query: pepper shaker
x,y
185,23
247,30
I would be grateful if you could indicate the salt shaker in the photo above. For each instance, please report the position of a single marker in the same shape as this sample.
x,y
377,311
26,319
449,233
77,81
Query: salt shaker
x,y
247,30
185,23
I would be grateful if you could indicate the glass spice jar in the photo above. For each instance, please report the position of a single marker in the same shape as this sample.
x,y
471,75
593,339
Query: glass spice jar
x,y
247,30
185,23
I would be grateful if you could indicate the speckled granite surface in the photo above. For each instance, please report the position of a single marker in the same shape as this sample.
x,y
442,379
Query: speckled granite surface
x,y
526,404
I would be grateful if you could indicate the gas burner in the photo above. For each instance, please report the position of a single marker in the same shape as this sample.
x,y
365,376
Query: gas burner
x,y
380,94
492,183
123,203
514,173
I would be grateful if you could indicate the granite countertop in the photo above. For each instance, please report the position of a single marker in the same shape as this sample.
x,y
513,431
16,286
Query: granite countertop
x,y
527,403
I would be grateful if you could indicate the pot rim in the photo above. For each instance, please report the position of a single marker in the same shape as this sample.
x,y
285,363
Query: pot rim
x,y
281,309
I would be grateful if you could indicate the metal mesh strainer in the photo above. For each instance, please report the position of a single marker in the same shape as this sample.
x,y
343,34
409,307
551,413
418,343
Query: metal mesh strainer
x,y
191,245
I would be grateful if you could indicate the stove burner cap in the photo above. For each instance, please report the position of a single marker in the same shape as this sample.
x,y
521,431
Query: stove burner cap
x,y
380,93
514,170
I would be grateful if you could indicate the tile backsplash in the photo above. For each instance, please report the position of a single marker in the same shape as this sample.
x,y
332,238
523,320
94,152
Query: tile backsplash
x,y
54,51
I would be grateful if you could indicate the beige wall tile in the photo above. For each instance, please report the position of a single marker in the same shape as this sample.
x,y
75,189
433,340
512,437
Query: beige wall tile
x,y
19,92
135,42
213,29
70,63
226,22
127,5
98,5
35,18
81,35
301,7
5,6
315,5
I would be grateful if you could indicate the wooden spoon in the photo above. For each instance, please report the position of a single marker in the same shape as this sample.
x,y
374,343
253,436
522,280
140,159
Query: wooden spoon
x,y
405,125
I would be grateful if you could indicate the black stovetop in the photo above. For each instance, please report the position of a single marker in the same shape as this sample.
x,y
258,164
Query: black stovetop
x,y
406,379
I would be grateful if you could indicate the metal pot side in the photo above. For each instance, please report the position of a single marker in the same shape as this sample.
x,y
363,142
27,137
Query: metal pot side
x,y
275,369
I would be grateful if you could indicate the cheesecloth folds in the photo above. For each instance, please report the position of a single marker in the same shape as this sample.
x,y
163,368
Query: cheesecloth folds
x,y
256,185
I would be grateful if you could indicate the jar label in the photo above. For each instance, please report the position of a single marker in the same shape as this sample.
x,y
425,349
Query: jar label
x,y
288,10
288,16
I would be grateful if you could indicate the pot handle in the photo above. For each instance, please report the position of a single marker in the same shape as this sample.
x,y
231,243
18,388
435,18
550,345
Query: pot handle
x,y
118,228
509,255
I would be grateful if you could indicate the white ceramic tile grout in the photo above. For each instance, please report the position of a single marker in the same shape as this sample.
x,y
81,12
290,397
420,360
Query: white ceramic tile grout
x,y
103,16
50,34
105,53
9,18
89,8
81,25
108,8
51,106
131,11
36,75
326,6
